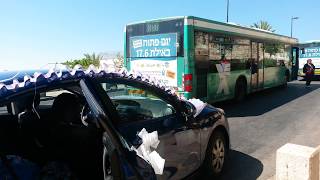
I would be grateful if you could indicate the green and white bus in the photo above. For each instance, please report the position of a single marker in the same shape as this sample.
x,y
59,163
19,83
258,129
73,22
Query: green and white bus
x,y
210,60
309,50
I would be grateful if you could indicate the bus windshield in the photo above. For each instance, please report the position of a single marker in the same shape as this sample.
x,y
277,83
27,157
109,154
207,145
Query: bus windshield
x,y
155,39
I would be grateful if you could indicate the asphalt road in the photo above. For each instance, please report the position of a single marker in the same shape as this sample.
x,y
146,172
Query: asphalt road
x,y
267,120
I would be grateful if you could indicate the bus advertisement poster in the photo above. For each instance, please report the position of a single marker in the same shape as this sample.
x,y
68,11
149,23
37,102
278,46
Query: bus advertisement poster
x,y
157,45
160,69
312,53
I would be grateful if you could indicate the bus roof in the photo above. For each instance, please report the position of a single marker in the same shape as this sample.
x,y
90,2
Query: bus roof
x,y
231,28
311,42
158,19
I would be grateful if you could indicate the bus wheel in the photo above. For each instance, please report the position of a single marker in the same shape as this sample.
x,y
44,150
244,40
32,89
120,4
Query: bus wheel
x,y
240,90
286,80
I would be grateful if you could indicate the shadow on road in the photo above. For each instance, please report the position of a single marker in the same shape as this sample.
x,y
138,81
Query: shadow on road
x,y
261,102
242,166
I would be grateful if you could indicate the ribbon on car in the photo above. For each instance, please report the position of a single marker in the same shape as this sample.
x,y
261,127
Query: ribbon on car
x,y
198,104
144,150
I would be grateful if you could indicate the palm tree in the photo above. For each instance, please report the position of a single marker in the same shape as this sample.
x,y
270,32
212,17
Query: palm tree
x,y
85,61
92,57
263,25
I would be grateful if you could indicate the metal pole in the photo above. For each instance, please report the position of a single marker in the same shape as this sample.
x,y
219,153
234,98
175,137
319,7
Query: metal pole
x,y
293,18
227,10
291,25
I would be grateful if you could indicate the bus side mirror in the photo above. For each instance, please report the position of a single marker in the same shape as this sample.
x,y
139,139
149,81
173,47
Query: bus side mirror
x,y
303,51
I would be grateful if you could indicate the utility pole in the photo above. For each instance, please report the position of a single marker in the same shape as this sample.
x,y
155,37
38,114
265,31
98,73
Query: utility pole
x,y
227,10
292,18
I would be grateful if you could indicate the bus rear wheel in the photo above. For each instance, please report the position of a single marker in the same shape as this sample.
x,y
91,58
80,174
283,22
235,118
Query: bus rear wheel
x,y
240,90
286,80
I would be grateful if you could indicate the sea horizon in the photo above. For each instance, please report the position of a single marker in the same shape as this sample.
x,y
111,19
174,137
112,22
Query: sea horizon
x,y
7,75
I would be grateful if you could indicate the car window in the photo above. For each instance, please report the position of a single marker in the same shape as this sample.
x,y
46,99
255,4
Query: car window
x,y
47,98
134,104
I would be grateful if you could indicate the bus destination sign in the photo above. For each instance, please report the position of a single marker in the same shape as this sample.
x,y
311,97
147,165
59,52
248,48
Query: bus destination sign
x,y
311,52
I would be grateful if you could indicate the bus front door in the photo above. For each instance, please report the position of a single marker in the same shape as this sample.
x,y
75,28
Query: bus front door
x,y
257,66
295,63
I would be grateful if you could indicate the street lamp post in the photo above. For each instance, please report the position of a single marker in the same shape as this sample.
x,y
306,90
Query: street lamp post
x,y
293,18
227,10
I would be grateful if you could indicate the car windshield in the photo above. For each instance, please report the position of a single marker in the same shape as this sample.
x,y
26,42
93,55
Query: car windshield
x,y
136,103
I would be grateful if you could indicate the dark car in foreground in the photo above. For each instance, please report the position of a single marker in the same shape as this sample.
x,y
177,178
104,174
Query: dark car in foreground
x,y
85,125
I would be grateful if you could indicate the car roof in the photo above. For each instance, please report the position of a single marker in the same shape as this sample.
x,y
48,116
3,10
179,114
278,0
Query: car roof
x,y
56,78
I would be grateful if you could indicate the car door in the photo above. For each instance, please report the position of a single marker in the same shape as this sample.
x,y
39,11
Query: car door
x,y
118,161
140,106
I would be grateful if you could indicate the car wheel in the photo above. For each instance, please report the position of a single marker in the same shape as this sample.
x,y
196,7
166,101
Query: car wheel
x,y
216,154
240,90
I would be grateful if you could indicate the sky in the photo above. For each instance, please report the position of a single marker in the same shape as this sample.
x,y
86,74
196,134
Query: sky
x,y
34,33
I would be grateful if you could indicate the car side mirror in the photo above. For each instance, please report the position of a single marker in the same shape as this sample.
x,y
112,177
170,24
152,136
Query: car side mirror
x,y
189,112
189,109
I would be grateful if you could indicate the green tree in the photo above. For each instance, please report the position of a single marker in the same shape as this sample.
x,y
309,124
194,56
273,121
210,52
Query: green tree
x,y
263,25
271,48
85,61
93,57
